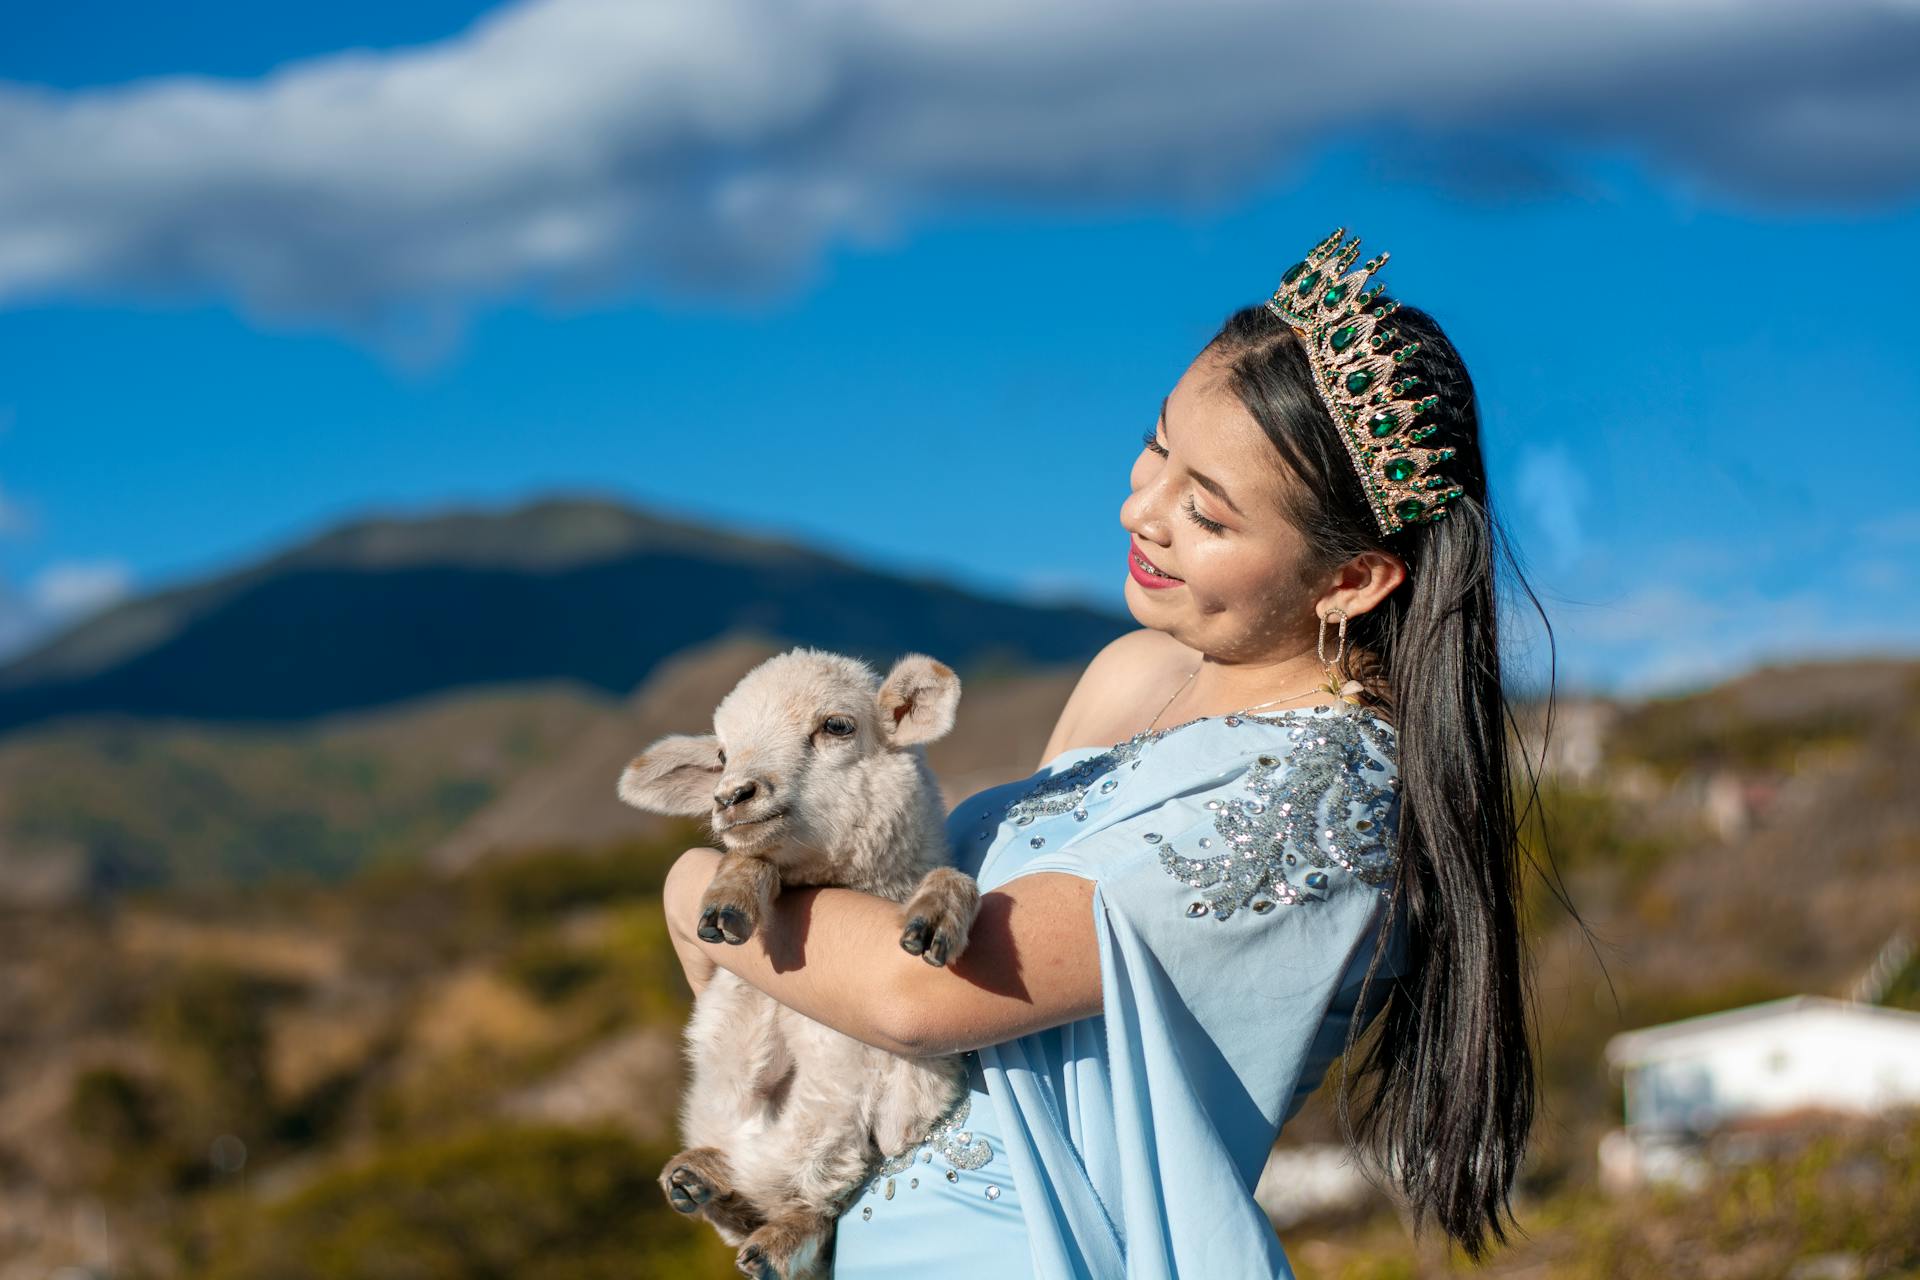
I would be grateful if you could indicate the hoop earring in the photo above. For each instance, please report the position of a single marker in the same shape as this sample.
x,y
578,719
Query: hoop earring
x,y
1338,683
1321,648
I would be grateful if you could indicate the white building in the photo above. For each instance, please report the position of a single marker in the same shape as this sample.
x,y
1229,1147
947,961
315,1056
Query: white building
x,y
1683,1079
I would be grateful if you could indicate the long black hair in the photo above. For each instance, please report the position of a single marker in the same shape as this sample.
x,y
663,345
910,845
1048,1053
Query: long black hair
x,y
1452,1063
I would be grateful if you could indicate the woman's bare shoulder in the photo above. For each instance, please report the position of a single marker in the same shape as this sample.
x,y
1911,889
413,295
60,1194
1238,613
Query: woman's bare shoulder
x,y
1128,668
1142,652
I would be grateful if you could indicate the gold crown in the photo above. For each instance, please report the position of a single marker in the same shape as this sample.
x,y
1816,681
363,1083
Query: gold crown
x,y
1356,370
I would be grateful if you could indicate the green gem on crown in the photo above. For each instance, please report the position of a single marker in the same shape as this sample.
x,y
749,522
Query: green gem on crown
x,y
1391,464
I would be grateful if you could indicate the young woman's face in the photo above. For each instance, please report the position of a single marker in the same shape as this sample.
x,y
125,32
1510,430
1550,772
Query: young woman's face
x,y
1224,571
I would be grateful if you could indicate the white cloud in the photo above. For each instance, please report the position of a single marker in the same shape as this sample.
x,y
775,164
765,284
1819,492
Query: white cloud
x,y
1897,527
1878,574
60,595
582,147
1554,490
1671,636
70,588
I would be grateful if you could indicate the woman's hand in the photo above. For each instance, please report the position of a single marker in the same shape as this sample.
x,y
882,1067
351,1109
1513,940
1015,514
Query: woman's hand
x,y
687,880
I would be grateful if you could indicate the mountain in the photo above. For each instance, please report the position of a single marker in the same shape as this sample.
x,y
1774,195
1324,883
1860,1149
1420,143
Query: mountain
x,y
454,688
564,588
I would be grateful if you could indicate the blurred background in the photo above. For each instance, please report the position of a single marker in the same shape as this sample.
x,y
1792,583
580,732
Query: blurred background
x,y
409,412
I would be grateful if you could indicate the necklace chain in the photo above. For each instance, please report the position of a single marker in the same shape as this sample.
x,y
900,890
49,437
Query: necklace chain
x,y
1242,711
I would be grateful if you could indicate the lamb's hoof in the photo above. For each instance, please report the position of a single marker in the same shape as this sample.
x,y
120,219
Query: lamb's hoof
x,y
926,939
709,927
753,1261
687,1190
939,916
725,923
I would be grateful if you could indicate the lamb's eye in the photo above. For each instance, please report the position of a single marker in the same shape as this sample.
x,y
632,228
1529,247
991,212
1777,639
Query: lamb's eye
x,y
723,758
838,726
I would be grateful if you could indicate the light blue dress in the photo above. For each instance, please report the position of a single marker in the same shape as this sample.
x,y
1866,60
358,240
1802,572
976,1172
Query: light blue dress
x,y
1242,867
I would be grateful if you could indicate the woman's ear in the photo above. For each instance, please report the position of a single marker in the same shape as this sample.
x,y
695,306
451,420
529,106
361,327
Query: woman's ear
x,y
1389,572
1364,581
918,700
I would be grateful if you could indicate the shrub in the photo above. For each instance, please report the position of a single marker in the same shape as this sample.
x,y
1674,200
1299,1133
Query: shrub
x,y
526,1203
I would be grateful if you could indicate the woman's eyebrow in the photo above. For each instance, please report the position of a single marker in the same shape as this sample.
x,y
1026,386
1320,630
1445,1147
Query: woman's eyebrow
x,y
1211,485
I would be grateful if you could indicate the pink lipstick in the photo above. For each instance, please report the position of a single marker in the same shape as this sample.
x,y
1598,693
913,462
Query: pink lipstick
x,y
1145,572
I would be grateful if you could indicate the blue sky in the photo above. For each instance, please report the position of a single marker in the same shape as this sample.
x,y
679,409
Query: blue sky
x,y
911,287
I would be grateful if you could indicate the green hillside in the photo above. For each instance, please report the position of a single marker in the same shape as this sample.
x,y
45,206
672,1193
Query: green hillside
x,y
479,1072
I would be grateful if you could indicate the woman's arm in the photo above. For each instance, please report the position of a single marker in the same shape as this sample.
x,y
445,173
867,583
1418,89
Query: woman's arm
x,y
1032,961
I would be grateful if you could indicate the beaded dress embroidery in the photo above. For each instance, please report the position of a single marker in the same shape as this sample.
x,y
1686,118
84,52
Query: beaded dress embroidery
x,y
1237,892
1276,826
1302,814
948,1139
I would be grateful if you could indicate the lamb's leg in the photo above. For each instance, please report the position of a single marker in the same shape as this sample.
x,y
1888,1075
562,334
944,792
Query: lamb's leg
x,y
917,1092
788,1248
699,1180
738,897
940,915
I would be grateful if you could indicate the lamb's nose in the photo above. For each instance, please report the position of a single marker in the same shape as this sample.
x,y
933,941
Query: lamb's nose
x,y
742,792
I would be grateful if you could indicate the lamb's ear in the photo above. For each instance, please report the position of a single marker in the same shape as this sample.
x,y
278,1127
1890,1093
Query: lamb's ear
x,y
675,775
918,700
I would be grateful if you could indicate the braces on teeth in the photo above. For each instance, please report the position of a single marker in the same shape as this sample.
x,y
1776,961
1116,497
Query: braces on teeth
x,y
1154,569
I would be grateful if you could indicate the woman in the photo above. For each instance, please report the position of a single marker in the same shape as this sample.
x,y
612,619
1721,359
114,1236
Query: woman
x,y
1277,812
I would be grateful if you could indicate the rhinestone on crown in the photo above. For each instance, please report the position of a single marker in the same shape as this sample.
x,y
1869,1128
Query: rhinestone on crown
x,y
1356,368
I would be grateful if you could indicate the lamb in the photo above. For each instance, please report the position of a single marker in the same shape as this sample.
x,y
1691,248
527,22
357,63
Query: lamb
x,y
815,774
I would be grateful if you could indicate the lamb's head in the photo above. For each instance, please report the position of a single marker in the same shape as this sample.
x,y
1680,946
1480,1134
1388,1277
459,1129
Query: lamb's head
x,y
799,749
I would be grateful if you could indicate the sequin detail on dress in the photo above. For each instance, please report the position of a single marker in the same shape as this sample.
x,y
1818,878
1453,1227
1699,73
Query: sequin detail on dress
x,y
1063,792
1279,825
950,1138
